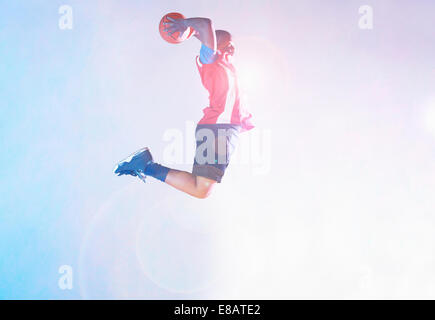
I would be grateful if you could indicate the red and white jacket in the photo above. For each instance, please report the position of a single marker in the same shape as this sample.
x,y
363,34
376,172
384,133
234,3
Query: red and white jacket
x,y
220,80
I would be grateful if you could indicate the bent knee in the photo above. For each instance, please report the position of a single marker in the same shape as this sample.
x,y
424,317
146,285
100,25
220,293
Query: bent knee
x,y
204,187
204,192
202,195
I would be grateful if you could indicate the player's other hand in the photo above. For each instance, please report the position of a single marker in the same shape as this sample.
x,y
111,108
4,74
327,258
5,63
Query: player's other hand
x,y
175,25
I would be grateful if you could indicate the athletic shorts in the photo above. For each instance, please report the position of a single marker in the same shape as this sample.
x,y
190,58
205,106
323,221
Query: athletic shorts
x,y
215,143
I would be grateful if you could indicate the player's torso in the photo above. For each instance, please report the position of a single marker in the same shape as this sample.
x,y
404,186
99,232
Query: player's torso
x,y
220,80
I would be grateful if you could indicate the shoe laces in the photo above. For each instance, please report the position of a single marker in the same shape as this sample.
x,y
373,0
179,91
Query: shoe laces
x,y
141,175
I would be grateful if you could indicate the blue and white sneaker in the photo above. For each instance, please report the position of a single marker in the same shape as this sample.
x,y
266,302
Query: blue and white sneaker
x,y
135,165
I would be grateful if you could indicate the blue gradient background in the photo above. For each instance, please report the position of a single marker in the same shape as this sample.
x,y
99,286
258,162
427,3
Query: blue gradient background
x,y
345,211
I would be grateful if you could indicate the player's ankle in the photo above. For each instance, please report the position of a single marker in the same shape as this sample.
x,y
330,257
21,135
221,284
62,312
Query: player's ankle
x,y
157,171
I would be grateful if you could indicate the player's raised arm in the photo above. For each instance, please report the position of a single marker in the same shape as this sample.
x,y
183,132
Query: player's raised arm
x,y
203,27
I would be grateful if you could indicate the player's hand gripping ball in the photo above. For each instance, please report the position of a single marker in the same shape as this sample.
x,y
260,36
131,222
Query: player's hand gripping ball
x,y
173,29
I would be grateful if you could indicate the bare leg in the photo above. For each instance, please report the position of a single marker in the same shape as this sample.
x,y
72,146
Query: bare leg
x,y
199,187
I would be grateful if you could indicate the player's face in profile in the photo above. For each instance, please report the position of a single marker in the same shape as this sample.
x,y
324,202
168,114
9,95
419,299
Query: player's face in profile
x,y
229,51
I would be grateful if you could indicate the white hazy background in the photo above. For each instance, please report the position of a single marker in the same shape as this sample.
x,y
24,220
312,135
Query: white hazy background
x,y
337,203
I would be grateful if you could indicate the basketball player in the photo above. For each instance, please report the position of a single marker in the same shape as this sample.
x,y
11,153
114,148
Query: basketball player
x,y
217,131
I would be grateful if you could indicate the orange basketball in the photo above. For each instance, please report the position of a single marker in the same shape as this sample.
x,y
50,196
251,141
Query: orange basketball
x,y
176,37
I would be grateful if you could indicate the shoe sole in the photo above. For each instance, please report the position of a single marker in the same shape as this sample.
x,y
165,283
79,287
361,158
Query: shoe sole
x,y
129,158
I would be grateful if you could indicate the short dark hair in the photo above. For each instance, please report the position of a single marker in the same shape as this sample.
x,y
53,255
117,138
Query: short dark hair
x,y
223,38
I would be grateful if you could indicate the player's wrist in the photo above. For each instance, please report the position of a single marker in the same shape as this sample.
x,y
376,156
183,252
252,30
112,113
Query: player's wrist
x,y
187,23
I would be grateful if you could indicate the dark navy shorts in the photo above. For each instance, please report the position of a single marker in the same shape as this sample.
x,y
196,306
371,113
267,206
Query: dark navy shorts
x,y
215,143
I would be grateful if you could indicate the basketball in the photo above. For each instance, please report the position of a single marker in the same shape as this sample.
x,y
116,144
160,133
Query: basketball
x,y
176,37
